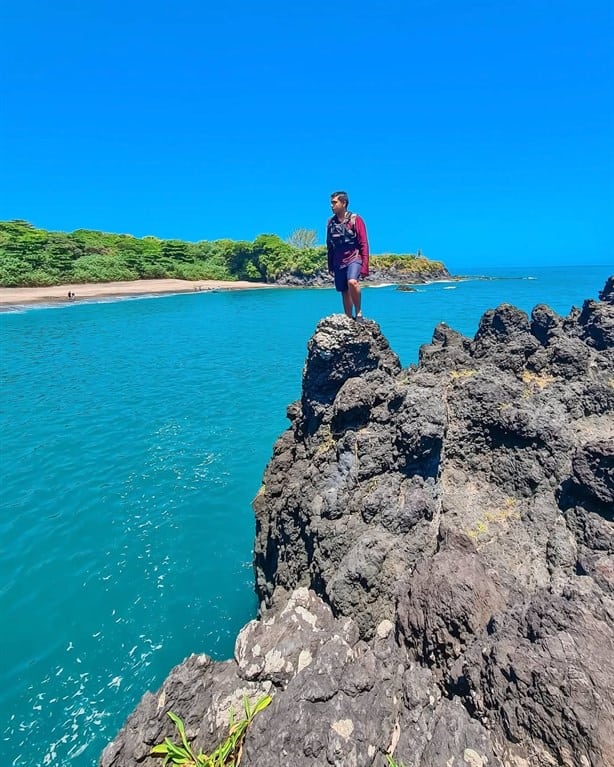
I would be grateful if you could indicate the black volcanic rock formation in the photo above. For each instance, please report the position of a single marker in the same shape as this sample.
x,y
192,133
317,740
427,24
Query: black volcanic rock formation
x,y
434,558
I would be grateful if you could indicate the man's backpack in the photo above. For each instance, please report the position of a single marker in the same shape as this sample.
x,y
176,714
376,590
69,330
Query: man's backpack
x,y
343,234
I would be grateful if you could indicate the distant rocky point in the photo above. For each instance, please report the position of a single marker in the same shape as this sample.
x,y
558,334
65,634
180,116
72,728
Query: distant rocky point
x,y
383,270
434,559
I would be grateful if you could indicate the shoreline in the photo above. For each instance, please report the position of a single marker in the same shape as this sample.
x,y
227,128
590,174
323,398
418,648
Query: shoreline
x,y
53,295
58,294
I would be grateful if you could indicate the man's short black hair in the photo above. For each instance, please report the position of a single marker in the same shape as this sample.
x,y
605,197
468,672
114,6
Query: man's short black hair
x,y
343,197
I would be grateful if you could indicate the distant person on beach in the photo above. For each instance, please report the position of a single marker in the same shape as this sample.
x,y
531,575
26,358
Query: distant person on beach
x,y
348,252
71,295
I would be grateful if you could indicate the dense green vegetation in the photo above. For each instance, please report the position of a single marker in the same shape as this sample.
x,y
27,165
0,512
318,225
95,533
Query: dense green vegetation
x,y
31,257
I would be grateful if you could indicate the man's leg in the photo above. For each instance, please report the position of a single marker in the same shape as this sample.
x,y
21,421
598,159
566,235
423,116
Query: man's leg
x,y
341,284
353,275
354,297
347,302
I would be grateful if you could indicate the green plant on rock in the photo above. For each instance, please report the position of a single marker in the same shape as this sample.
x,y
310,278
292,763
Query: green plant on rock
x,y
226,754
392,762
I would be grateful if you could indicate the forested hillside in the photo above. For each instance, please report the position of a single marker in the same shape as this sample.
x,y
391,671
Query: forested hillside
x,y
31,257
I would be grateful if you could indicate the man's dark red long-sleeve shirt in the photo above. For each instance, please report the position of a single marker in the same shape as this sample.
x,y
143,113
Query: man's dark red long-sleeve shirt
x,y
347,254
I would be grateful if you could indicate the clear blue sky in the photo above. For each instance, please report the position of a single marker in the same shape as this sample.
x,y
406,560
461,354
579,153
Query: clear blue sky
x,y
480,131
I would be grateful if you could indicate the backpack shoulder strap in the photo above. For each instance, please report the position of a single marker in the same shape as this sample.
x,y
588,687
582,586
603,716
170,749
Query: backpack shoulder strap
x,y
349,220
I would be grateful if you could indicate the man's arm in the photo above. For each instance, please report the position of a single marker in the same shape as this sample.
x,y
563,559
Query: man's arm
x,y
363,245
329,247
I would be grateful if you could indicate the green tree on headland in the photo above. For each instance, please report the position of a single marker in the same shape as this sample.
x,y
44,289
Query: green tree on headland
x,y
31,257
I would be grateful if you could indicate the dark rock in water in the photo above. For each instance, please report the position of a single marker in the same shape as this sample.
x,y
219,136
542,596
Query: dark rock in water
x,y
434,559
406,288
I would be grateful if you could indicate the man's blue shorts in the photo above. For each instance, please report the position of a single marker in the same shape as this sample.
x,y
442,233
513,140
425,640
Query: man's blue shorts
x,y
345,273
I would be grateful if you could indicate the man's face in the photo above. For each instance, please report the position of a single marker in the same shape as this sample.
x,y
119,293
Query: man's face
x,y
337,206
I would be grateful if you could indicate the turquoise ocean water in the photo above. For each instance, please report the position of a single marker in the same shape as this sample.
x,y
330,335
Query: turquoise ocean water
x,y
134,435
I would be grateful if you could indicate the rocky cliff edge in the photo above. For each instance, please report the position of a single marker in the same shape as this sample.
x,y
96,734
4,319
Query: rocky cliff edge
x,y
434,559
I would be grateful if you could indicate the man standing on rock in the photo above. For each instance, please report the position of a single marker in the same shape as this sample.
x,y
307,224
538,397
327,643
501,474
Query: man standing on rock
x,y
348,252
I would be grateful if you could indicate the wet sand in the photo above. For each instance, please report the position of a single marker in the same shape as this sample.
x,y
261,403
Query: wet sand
x,y
59,293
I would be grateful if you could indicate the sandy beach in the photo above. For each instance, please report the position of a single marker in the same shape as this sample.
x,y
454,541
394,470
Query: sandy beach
x,y
59,293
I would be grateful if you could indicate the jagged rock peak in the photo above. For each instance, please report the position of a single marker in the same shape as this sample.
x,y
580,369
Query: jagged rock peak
x,y
341,348
596,320
607,294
